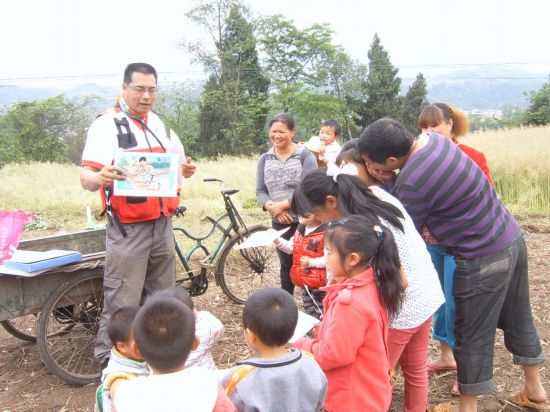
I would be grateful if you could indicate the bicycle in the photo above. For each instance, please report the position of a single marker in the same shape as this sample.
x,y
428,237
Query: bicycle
x,y
238,272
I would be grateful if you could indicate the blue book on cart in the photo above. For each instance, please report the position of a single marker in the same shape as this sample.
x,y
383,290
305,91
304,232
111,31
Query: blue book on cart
x,y
32,261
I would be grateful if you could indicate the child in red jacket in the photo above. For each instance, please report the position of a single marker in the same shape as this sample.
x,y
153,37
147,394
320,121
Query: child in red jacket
x,y
308,262
365,291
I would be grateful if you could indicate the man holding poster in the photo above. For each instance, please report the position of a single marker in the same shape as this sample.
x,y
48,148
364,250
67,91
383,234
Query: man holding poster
x,y
140,245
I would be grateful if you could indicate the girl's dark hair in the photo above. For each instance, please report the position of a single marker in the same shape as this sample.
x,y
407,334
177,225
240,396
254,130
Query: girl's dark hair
x,y
350,151
376,246
354,197
285,118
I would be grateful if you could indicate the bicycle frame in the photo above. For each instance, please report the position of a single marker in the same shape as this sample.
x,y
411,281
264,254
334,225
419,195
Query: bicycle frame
x,y
235,224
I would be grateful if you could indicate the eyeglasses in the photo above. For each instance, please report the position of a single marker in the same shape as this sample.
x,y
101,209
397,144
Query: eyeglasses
x,y
152,91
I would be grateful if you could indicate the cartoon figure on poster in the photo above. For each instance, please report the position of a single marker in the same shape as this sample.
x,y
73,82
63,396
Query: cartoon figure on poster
x,y
153,175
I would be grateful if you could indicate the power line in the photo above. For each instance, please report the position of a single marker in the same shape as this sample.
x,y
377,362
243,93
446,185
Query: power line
x,y
252,70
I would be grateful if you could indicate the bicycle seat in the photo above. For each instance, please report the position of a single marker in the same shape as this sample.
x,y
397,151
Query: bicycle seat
x,y
180,210
230,192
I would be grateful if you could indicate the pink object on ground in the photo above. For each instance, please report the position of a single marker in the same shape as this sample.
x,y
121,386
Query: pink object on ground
x,y
11,227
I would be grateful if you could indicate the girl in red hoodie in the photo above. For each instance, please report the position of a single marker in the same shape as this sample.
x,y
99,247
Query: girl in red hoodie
x,y
365,291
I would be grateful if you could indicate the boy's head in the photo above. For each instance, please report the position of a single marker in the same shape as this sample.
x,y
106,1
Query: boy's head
x,y
179,293
164,330
271,315
121,334
330,131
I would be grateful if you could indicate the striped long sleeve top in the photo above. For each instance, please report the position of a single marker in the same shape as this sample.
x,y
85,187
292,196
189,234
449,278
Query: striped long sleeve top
x,y
444,190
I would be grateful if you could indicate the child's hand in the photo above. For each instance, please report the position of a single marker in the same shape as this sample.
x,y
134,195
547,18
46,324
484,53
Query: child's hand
x,y
304,262
315,330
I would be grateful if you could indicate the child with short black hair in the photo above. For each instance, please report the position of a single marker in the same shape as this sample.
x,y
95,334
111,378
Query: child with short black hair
x,y
208,329
280,378
328,135
164,330
125,361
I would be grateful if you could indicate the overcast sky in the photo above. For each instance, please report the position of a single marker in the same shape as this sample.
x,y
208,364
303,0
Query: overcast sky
x,y
46,42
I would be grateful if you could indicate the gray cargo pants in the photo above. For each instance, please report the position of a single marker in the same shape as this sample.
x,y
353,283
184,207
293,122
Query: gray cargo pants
x,y
135,267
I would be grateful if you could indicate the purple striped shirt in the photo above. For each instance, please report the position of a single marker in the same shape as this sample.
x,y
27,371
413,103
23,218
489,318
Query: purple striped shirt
x,y
444,190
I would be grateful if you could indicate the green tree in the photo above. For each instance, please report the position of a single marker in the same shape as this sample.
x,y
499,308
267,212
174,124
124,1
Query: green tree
x,y
179,109
10,149
538,112
296,60
235,101
312,108
414,101
49,130
345,79
381,86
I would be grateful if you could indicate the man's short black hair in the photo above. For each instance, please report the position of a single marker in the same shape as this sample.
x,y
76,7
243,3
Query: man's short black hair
x,y
332,124
179,293
120,325
272,315
385,138
143,68
164,330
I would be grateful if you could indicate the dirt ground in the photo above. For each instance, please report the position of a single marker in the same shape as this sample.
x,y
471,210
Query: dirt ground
x,y
26,385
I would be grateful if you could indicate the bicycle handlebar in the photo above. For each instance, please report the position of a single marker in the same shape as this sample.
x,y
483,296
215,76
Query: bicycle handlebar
x,y
213,179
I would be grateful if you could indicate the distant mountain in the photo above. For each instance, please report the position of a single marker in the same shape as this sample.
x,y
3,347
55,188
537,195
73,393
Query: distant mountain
x,y
470,89
482,89
10,94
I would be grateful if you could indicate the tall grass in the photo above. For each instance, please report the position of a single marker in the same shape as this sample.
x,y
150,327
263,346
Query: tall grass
x,y
519,160
50,190
54,193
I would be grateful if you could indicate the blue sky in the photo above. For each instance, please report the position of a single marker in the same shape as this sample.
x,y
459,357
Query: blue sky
x,y
68,41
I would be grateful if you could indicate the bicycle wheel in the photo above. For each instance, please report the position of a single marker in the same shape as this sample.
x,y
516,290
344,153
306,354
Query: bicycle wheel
x,y
68,325
240,272
22,327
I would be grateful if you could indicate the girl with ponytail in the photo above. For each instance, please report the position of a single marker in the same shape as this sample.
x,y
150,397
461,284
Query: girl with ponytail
x,y
333,194
365,292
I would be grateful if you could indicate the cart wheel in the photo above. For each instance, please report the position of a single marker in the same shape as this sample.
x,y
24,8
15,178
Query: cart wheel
x,y
68,325
22,327
240,272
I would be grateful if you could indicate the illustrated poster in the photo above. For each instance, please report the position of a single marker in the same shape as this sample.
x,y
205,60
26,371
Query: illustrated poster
x,y
147,174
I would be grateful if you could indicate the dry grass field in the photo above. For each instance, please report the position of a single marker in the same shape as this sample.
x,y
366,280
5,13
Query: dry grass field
x,y
518,159
520,166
